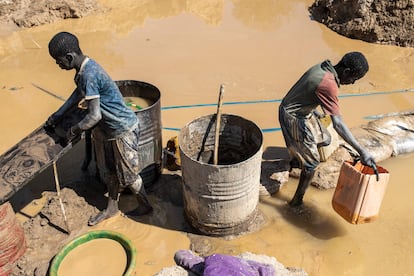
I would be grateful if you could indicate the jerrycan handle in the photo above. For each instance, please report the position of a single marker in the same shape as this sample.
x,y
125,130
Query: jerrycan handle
x,y
373,166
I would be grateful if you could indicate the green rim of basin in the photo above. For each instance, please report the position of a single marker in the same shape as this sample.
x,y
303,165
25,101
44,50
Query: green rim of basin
x,y
99,234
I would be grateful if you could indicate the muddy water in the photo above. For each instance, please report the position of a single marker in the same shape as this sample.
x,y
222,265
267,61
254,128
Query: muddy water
x,y
258,49
137,103
83,259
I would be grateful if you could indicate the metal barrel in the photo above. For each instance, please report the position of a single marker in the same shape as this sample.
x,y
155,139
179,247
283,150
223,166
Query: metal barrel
x,y
150,142
221,199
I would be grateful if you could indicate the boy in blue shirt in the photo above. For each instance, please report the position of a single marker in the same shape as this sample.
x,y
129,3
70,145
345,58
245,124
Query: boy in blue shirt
x,y
115,128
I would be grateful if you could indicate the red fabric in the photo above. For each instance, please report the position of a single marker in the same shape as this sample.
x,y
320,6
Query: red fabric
x,y
12,240
327,92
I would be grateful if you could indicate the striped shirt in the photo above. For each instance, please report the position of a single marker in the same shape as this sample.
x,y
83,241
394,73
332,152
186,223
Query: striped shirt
x,y
318,86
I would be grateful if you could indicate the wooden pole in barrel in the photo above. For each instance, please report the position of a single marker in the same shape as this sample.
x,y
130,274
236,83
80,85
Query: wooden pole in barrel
x,y
218,119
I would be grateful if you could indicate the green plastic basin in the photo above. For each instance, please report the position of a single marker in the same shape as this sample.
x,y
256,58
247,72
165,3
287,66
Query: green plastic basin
x,y
99,234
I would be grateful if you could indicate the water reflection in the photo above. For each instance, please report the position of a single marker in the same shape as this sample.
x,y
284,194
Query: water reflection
x,y
264,14
210,11
309,217
123,21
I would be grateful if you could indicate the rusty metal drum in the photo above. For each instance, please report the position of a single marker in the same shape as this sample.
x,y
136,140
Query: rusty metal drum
x,y
149,116
221,199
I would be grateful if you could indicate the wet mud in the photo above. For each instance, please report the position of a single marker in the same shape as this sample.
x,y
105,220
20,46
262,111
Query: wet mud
x,y
377,21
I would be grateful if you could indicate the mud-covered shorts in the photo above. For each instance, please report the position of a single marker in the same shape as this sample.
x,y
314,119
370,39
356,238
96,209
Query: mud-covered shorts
x,y
301,138
117,160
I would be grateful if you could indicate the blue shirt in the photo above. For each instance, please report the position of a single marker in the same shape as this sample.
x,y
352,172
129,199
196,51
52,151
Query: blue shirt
x,y
93,82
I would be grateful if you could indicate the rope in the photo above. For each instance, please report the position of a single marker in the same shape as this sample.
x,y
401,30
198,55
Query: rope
x,y
278,101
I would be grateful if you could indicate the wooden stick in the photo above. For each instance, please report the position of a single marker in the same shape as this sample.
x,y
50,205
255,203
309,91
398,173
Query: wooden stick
x,y
58,194
218,119
48,92
37,44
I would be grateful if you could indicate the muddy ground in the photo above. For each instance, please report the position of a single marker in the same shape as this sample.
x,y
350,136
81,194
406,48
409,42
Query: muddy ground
x,y
85,196
81,199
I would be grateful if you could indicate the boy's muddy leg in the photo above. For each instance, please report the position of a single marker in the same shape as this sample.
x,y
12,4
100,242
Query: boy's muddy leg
x,y
304,181
88,150
112,206
144,206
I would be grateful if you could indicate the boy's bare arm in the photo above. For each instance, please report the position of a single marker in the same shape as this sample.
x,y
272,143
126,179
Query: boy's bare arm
x,y
343,131
93,116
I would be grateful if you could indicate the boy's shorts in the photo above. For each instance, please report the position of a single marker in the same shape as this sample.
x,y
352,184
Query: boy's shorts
x,y
301,136
117,159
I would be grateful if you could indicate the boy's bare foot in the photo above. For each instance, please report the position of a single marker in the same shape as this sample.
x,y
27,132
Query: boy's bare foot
x,y
295,202
110,211
105,214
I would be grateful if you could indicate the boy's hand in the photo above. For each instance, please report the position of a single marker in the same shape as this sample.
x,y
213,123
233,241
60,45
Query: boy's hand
x,y
52,121
367,159
72,133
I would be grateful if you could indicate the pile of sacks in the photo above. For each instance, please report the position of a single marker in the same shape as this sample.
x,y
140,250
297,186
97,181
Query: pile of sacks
x,y
247,264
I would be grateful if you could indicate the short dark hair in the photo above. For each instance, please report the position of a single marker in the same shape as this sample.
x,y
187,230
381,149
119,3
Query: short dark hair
x,y
63,43
356,62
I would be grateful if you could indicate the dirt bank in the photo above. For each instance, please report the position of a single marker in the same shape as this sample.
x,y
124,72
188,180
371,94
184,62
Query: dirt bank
x,y
377,21
28,13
